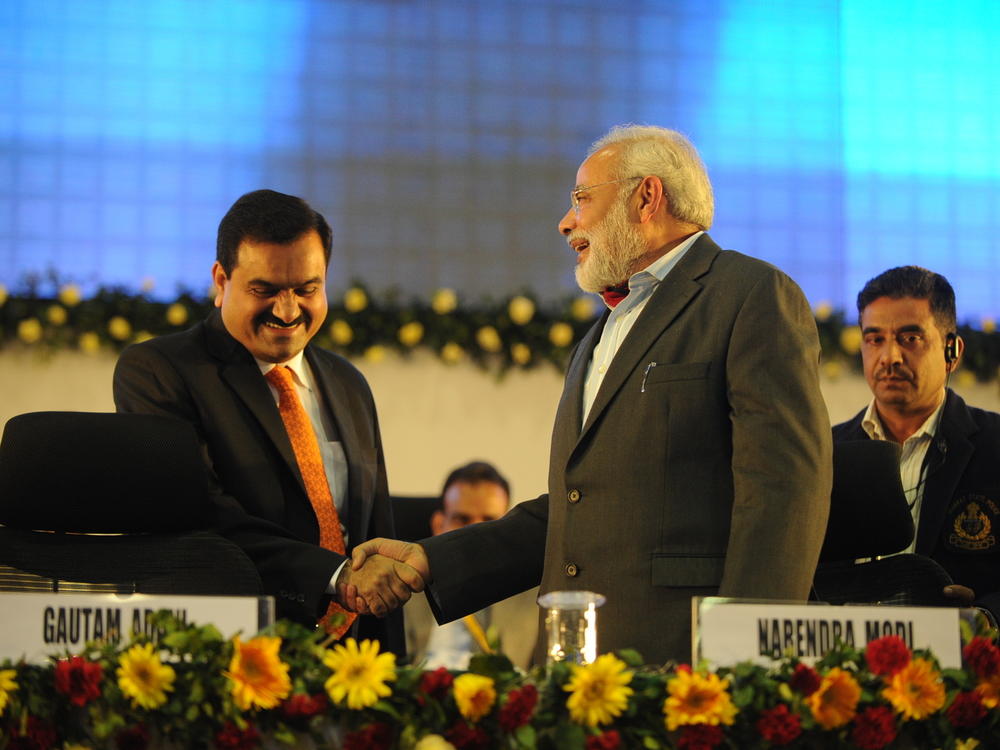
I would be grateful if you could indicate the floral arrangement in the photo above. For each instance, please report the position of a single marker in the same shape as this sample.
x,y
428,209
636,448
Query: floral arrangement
x,y
188,687
514,332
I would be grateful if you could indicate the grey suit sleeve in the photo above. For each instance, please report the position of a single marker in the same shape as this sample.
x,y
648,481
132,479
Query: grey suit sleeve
x,y
782,448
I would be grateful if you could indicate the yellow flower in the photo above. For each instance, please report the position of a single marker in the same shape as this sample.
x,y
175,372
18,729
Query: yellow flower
x,y
444,301
374,354
822,311
582,308
561,334
520,353
341,332
697,699
433,742
916,691
410,333
119,328
89,342
989,325
355,300
989,691
3,294
177,314
835,702
259,677
599,691
56,315
29,330
475,695
452,353
143,678
521,310
488,339
69,295
850,339
7,686
970,744
359,674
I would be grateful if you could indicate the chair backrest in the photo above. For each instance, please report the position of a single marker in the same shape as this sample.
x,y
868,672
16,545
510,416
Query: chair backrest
x,y
412,516
111,502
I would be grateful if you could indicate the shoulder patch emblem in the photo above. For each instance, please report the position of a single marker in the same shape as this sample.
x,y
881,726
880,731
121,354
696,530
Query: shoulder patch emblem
x,y
972,528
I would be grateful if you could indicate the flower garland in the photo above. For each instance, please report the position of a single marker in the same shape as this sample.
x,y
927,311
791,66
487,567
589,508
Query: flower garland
x,y
514,332
189,687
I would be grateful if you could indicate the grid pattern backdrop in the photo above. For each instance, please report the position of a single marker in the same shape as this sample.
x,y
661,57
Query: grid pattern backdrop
x,y
440,137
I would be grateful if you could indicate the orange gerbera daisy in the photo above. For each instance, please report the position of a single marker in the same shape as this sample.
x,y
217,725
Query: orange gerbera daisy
x,y
835,701
916,691
989,691
258,675
697,699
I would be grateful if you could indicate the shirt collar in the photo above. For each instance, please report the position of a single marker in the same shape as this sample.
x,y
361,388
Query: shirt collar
x,y
872,424
657,271
296,364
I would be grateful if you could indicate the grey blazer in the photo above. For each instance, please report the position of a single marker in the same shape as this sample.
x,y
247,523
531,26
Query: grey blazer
x,y
704,467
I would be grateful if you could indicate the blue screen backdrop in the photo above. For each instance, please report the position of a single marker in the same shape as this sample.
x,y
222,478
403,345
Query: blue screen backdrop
x,y
440,137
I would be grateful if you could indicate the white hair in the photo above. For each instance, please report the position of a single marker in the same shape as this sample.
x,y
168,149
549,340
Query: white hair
x,y
649,150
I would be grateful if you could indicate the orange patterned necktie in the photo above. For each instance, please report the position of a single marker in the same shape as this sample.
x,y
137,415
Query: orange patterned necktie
x,y
306,447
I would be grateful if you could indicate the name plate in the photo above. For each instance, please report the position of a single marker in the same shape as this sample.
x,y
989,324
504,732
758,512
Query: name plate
x,y
36,626
729,631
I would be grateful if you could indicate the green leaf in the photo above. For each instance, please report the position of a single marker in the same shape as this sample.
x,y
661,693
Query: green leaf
x,y
570,737
526,737
631,657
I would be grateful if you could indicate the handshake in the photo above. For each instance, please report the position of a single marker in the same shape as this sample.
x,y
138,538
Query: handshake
x,y
381,576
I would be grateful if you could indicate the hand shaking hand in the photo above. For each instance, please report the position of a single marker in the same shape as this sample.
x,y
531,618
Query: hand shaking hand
x,y
382,576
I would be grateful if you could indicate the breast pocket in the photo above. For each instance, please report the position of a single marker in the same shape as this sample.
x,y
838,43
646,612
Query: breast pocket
x,y
658,373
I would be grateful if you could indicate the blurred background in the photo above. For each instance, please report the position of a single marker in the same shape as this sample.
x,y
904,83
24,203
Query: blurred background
x,y
441,138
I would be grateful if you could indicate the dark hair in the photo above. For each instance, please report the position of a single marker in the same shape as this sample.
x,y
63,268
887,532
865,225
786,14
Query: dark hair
x,y
476,471
267,216
916,282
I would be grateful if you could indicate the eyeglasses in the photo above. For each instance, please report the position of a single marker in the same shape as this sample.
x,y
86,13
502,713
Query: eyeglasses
x,y
575,193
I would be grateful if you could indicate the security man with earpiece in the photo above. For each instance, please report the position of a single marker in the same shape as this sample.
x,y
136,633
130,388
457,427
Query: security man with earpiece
x,y
949,464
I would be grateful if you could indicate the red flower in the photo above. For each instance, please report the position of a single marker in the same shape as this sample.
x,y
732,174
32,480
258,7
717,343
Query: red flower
x,y
231,737
303,706
874,728
982,656
609,740
465,737
887,655
966,711
375,736
133,738
804,679
435,684
79,679
517,711
700,737
38,735
778,725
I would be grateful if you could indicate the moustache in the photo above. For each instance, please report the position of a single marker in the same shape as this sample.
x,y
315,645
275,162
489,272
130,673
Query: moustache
x,y
266,317
894,372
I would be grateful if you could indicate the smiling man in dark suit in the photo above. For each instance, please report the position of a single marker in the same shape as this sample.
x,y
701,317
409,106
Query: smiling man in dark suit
x,y
691,452
289,430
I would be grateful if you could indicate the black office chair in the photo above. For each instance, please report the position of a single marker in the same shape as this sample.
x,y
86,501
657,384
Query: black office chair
x,y
411,516
870,518
111,503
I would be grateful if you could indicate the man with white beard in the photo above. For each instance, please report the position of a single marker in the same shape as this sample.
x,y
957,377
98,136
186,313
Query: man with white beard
x,y
691,453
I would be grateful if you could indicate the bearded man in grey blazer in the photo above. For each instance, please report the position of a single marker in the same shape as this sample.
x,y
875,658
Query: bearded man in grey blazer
x,y
691,453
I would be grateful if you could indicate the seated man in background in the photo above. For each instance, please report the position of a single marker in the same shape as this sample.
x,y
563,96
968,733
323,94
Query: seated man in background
x,y
948,466
472,493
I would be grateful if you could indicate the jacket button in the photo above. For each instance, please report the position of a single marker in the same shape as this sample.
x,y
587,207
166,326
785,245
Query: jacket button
x,y
573,496
571,569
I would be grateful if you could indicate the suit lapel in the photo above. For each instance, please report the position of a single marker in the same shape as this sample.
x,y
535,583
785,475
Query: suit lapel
x,y
671,296
944,470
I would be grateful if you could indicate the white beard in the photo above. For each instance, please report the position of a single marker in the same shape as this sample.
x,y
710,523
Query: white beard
x,y
615,245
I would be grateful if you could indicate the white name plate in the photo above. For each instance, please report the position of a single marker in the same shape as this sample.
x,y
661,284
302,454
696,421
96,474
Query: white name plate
x,y
36,626
729,631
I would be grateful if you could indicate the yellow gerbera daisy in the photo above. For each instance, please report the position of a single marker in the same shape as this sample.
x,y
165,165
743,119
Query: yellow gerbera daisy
x,y
475,695
143,677
916,691
599,691
7,686
835,701
359,673
259,677
697,699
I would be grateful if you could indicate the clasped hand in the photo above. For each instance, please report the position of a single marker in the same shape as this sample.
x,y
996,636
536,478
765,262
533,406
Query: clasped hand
x,y
382,576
